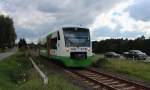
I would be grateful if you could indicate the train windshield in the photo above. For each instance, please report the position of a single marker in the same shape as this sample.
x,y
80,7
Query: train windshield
x,y
76,37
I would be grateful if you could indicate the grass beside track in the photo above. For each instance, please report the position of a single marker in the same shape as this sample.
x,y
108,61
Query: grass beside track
x,y
131,68
16,73
56,82
57,79
13,71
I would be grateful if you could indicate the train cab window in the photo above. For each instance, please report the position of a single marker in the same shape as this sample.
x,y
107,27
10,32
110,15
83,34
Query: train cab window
x,y
58,35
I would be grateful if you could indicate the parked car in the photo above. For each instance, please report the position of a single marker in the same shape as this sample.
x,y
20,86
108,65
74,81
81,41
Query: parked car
x,y
125,54
136,54
111,55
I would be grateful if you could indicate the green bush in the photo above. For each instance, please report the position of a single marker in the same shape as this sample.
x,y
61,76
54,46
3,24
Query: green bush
x,y
101,62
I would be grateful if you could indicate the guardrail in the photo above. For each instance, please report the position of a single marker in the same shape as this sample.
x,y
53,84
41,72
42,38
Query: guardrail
x,y
44,77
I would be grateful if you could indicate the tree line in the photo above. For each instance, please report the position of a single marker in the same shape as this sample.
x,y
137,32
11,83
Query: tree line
x,y
22,43
122,45
7,32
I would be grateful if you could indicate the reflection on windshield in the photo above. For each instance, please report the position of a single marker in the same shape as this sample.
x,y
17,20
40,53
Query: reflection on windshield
x,y
77,41
77,38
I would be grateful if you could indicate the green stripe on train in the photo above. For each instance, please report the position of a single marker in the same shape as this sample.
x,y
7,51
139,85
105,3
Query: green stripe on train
x,y
73,62
67,61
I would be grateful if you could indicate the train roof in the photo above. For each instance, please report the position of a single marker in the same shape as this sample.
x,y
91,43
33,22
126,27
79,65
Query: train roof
x,y
66,28
76,27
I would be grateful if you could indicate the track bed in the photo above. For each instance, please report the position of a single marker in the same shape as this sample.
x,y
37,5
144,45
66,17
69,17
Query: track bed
x,y
104,81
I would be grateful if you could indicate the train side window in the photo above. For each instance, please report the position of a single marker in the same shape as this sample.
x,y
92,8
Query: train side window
x,y
53,43
58,35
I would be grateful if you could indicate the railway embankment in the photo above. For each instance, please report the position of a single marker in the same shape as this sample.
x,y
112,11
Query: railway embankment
x,y
133,70
57,80
17,73
14,71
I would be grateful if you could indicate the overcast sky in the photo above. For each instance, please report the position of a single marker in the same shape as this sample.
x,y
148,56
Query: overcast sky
x,y
34,19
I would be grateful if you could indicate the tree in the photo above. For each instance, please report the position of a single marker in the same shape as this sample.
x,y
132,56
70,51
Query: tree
x,y
122,45
7,32
22,43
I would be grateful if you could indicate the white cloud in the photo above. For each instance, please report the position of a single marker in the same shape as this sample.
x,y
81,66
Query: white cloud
x,y
105,19
102,38
118,18
37,18
33,19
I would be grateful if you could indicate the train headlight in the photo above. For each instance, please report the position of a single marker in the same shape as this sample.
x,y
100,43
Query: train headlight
x,y
67,49
88,49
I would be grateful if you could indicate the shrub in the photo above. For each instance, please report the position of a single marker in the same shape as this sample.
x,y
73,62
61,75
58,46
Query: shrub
x,y
100,62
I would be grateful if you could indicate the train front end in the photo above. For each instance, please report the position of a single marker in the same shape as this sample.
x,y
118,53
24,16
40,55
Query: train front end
x,y
77,47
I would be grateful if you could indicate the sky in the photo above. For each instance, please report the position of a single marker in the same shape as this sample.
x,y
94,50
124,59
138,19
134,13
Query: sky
x,y
34,19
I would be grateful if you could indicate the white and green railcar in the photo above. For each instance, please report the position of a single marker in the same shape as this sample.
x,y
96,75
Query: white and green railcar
x,y
69,45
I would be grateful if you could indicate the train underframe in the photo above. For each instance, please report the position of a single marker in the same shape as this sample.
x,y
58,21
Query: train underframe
x,y
76,59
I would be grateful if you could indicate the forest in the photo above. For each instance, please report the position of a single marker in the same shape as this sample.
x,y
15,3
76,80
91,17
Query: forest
x,y
122,45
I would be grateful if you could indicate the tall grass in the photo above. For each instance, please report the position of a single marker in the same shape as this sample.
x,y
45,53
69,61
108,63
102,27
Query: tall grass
x,y
13,71
129,67
16,73
56,82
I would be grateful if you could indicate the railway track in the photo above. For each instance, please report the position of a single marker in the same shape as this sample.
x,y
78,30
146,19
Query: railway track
x,y
103,81
106,82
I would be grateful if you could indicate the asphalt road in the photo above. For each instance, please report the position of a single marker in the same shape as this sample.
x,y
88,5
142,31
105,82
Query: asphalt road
x,y
6,54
